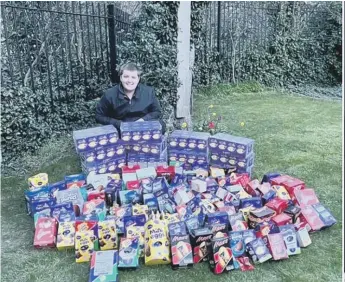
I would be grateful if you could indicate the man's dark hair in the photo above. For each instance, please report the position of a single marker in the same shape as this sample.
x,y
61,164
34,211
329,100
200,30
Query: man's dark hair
x,y
130,67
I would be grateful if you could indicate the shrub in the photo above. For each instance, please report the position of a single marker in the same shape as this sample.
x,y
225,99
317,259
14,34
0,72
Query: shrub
x,y
28,119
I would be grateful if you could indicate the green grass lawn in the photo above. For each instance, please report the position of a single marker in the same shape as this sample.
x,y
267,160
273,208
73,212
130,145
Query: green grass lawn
x,y
294,135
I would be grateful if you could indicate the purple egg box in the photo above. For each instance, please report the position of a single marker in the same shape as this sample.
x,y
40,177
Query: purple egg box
x,y
112,165
147,147
132,132
237,146
188,157
232,161
102,153
147,157
188,140
91,138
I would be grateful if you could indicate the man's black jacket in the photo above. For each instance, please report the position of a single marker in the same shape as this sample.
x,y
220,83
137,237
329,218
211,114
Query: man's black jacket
x,y
115,106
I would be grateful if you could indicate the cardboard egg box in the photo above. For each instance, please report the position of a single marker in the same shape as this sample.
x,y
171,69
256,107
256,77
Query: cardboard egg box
x,y
150,131
91,138
152,148
188,140
102,153
234,145
111,165
228,161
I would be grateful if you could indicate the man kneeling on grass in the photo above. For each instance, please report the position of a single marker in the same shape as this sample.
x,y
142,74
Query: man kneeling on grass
x,y
129,100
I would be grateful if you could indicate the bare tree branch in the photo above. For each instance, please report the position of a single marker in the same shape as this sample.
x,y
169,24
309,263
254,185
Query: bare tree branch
x,y
38,55
33,64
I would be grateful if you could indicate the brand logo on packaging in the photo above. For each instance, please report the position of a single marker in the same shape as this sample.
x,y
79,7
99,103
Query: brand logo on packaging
x,y
218,227
42,206
68,198
203,238
179,238
221,243
43,233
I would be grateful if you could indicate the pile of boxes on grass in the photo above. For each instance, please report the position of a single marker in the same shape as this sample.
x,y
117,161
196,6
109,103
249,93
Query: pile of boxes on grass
x,y
100,149
170,215
146,145
232,152
188,149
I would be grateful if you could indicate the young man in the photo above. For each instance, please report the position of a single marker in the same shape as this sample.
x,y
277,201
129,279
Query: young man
x,y
129,100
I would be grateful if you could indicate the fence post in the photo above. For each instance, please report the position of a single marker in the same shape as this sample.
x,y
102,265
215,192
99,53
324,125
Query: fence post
x,y
183,61
218,29
114,77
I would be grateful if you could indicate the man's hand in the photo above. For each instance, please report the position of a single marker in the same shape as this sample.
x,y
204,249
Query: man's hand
x,y
139,119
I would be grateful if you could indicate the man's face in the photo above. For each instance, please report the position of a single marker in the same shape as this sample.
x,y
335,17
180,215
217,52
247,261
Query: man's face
x,y
129,80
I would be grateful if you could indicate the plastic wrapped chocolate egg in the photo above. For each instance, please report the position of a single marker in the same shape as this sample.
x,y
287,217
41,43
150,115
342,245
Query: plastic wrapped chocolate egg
x,y
102,170
90,159
120,151
100,156
231,149
182,144
110,153
136,137
241,164
103,142
82,146
240,150
213,145
223,159
92,144
214,157
201,146
112,168
192,145
173,143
